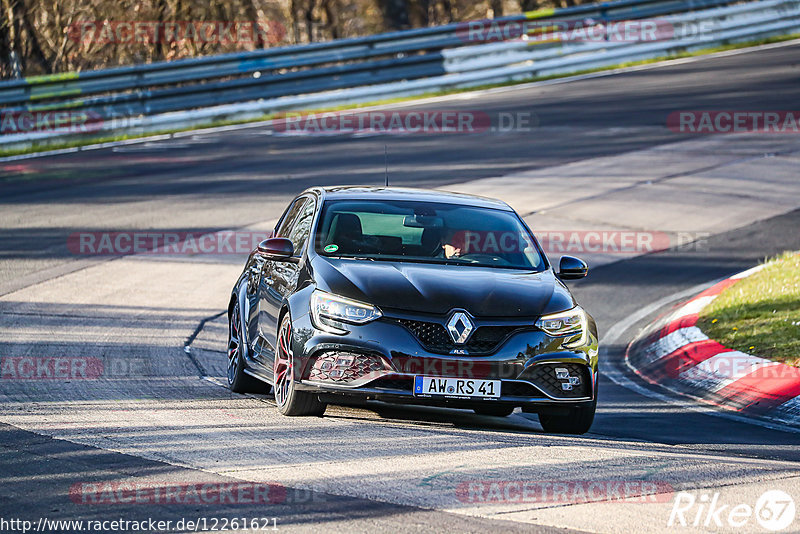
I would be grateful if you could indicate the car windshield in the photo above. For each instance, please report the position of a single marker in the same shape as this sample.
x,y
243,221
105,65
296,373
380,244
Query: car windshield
x,y
426,232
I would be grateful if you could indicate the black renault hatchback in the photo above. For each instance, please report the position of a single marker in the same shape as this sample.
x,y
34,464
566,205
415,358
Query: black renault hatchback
x,y
412,296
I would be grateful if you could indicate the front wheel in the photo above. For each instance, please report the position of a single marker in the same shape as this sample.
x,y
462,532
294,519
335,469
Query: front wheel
x,y
578,421
289,400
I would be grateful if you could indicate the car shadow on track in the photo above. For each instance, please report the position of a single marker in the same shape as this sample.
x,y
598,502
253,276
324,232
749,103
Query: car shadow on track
x,y
428,416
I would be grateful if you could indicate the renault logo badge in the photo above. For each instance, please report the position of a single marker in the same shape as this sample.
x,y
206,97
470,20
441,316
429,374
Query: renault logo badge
x,y
460,327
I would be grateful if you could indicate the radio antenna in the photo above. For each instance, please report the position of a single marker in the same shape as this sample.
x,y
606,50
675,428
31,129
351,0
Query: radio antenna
x,y
386,163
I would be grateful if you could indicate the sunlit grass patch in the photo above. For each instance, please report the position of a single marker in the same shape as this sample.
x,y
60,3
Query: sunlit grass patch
x,y
760,314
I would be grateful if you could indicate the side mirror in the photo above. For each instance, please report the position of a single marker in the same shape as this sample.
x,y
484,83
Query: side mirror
x,y
277,248
571,268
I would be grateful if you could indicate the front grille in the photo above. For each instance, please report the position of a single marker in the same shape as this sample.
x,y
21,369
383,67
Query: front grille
x,y
435,337
546,377
519,389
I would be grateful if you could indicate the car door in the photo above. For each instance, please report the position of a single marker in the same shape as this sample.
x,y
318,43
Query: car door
x,y
260,282
279,278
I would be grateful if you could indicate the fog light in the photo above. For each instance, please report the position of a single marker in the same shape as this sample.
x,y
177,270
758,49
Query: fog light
x,y
345,361
346,367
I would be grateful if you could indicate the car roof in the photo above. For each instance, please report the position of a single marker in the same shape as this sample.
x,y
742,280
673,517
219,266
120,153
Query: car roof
x,y
406,193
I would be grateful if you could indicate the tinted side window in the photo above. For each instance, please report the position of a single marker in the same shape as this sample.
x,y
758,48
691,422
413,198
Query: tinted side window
x,y
301,230
290,217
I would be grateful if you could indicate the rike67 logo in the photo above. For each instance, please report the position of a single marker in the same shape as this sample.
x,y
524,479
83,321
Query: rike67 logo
x,y
774,511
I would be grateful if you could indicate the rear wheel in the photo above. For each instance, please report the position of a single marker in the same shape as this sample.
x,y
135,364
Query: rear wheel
x,y
495,411
238,380
578,421
289,400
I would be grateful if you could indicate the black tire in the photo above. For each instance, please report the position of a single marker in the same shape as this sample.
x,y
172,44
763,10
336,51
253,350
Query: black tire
x,y
494,411
291,402
238,380
578,421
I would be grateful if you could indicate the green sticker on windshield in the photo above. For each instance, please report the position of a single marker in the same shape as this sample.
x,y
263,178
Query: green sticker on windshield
x,y
331,248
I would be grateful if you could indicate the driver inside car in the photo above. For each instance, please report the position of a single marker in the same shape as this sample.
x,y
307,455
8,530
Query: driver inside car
x,y
453,244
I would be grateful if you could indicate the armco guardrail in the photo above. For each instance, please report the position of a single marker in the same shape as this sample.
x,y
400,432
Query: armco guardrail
x,y
134,86
689,31
381,66
204,68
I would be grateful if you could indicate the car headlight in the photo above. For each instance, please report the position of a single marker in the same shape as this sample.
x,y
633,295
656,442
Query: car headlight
x,y
572,323
333,313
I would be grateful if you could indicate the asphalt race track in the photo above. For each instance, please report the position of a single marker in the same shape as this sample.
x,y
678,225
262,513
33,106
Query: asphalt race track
x,y
163,417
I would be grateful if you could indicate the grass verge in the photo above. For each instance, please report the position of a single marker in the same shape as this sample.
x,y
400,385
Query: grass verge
x,y
760,314
42,147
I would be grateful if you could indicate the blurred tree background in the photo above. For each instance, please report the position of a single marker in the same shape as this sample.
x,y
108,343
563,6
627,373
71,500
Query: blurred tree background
x,y
44,36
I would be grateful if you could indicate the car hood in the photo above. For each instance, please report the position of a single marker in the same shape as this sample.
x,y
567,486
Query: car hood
x,y
437,289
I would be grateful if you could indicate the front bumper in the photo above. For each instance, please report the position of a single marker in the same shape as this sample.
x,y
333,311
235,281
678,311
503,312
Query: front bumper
x,y
379,360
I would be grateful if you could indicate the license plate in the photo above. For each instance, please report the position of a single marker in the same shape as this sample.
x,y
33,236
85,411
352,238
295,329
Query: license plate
x,y
466,388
